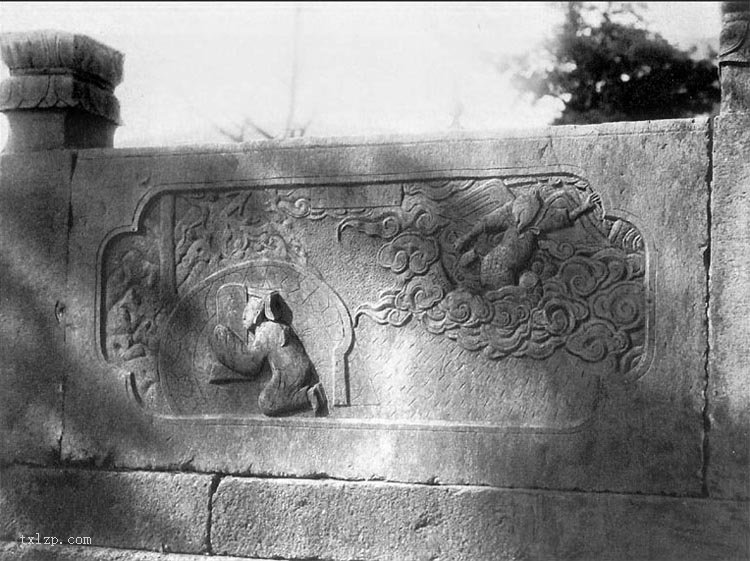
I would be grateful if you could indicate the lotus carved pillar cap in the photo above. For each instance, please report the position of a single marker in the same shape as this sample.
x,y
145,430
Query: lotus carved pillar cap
x,y
734,56
60,93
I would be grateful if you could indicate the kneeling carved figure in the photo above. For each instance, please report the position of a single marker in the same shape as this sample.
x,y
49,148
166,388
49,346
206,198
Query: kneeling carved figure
x,y
294,385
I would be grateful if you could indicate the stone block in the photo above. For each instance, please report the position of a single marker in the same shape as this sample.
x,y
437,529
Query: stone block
x,y
135,510
381,521
573,359
729,307
34,199
14,551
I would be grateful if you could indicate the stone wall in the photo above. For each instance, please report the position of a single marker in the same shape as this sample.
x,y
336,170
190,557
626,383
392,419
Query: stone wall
x,y
528,345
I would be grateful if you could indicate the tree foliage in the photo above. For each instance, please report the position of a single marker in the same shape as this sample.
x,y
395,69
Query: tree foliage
x,y
605,65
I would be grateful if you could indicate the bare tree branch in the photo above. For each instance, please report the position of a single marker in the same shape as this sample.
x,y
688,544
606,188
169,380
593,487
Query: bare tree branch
x,y
290,130
293,82
250,123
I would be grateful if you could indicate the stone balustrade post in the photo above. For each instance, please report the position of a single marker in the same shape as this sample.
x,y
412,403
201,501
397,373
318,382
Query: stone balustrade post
x,y
59,97
60,93
728,391
734,56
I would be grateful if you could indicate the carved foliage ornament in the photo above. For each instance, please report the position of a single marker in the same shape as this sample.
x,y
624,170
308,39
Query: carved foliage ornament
x,y
56,69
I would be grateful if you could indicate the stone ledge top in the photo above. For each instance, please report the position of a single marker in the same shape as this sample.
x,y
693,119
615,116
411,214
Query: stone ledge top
x,y
734,7
50,52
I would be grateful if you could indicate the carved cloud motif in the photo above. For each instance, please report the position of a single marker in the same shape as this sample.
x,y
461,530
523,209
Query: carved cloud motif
x,y
408,253
523,272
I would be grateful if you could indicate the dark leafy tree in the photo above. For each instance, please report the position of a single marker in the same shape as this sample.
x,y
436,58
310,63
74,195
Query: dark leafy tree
x,y
605,65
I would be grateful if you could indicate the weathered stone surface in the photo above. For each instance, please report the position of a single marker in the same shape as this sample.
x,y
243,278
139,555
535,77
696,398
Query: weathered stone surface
x,y
34,198
51,129
397,391
60,91
16,552
337,520
734,57
729,307
60,69
139,510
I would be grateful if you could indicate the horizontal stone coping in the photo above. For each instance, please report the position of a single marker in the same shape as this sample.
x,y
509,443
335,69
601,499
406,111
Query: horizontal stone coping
x,y
664,126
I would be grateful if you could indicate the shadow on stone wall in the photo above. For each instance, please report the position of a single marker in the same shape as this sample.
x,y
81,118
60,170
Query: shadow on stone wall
x,y
653,432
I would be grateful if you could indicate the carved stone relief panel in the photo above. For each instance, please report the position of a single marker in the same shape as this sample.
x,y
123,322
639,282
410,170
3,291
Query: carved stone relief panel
x,y
503,301
211,309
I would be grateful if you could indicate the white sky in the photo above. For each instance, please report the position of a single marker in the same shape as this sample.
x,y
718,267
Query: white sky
x,y
363,68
